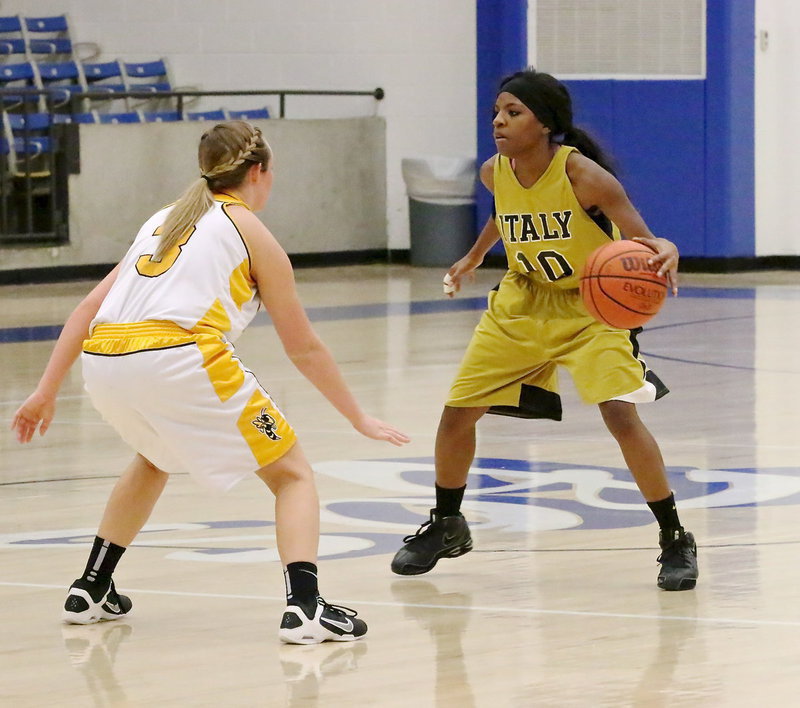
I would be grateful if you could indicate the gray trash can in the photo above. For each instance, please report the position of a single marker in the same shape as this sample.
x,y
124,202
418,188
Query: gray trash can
x,y
441,208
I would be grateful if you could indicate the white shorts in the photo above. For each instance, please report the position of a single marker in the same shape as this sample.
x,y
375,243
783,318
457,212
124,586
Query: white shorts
x,y
189,407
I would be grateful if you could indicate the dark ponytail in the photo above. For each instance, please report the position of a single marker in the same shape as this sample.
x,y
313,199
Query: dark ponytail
x,y
550,101
576,137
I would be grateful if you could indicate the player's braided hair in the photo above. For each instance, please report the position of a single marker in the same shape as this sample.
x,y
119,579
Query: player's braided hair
x,y
225,154
240,158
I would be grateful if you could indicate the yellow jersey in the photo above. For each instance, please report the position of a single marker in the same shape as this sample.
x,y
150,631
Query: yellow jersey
x,y
547,234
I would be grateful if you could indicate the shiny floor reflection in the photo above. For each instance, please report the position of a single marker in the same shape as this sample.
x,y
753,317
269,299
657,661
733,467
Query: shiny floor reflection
x,y
557,604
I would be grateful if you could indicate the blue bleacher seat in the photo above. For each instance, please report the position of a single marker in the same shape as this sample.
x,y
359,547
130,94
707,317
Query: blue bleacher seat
x,y
126,117
12,41
62,78
218,114
61,118
19,122
33,147
10,25
147,76
52,25
252,114
21,75
87,117
29,143
48,35
106,77
161,116
22,72
18,72
150,77
12,46
50,46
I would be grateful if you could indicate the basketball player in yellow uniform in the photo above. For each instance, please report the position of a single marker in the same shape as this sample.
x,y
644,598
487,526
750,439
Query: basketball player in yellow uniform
x,y
159,365
556,201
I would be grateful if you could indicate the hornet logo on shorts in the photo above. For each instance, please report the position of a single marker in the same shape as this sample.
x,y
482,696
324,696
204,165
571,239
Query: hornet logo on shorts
x,y
265,423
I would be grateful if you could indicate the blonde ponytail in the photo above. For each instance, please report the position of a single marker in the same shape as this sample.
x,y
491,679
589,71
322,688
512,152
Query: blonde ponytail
x,y
187,211
225,154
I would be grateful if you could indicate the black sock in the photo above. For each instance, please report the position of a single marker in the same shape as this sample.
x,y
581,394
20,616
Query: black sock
x,y
301,586
666,514
102,561
448,501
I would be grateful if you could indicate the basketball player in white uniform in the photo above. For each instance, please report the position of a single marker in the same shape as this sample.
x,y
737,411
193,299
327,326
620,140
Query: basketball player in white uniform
x,y
160,367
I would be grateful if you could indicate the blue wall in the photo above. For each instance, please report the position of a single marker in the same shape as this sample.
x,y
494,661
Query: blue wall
x,y
684,149
654,133
502,48
730,128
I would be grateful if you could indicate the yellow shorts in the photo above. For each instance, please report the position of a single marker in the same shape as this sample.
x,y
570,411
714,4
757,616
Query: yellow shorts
x,y
527,332
184,401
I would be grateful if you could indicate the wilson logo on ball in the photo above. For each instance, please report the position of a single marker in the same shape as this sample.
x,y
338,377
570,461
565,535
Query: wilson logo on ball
x,y
637,264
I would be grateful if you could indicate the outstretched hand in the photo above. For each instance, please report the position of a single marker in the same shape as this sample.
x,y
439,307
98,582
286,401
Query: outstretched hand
x,y
37,411
378,430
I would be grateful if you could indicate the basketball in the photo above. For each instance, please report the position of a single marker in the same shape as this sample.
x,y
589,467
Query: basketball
x,y
620,288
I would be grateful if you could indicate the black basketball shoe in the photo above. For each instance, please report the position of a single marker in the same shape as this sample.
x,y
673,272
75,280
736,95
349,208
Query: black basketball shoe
x,y
439,537
678,560
327,623
86,603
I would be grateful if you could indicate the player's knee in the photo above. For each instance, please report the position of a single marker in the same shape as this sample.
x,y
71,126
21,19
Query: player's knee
x,y
459,420
286,472
620,418
149,468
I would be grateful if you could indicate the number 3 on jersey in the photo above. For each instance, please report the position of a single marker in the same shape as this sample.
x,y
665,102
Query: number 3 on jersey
x,y
150,268
551,263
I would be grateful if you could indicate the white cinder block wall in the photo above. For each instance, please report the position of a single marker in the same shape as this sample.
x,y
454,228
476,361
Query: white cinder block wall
x,y
777,115
421,52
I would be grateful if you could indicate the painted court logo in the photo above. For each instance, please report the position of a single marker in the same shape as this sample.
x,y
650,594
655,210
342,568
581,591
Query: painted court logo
x,y
265,423
509,497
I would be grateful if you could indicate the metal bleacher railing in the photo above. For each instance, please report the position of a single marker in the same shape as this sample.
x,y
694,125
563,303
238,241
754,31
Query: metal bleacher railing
x,y
39,144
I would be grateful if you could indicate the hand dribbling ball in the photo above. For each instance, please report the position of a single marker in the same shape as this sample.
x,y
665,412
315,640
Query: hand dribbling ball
x,y
620,288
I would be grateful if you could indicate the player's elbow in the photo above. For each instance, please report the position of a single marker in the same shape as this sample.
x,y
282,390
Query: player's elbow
x,y
303,350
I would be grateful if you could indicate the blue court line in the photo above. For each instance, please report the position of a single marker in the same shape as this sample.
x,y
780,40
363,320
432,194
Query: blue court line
x,y
44,333
388,309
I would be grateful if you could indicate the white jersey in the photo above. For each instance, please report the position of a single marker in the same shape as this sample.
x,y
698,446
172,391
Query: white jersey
x,y
203,284
159,364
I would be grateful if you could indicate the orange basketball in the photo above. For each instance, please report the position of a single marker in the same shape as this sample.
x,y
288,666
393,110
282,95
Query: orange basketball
x,y
619,287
